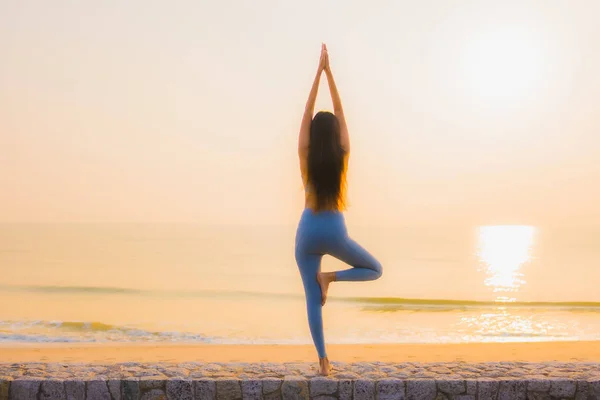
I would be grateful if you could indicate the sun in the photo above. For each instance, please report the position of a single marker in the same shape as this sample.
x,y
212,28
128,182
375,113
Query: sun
x,y
503,63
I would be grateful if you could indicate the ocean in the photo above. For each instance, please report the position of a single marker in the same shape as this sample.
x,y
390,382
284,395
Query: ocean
x,y
189,283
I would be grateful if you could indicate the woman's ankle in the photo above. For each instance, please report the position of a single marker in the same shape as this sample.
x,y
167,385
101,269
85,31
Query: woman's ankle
x,y
330,276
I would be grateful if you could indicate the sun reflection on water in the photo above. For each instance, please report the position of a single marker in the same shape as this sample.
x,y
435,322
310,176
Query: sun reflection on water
x,y
506,326
502,251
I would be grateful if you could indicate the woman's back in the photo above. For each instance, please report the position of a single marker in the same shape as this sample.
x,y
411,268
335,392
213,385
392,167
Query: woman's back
x,y
310,193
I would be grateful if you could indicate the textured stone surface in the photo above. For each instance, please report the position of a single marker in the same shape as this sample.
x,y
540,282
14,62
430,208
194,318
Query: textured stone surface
x,y
52,390
471,387
271,385
154,394
294,388
252,389
583,391
538,385
294,381
454,374
563,388
97,390
24,389
391,389
323,386
594,387
346,388
451,386
205,390
150,382
421,389
595,384
75,389
130,389
364,389
487,389
229,389
512,390
180,389
114,387
4,389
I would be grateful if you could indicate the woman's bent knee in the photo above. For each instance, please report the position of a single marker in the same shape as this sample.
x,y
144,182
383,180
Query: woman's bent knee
x,y
378,270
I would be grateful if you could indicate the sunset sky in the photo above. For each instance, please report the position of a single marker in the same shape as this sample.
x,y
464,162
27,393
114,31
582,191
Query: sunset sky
x,y
479,112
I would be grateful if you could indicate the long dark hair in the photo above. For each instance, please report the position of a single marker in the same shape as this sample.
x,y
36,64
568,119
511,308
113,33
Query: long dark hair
x,y
326,161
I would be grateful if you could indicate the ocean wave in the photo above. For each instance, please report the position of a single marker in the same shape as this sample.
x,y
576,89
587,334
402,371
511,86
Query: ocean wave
x,y
37,338
391,304
94,331
69,289
370,303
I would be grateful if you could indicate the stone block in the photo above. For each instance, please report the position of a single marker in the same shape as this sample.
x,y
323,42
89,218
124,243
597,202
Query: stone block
x,y
25,389
421,389
391,389
323,386
294,388
205,389
364,389
229,389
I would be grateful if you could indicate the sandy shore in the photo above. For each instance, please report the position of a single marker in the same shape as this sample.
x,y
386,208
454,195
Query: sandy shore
x,y
471,353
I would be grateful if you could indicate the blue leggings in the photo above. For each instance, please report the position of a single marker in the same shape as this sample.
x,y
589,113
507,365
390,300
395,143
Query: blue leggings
x,y
321,233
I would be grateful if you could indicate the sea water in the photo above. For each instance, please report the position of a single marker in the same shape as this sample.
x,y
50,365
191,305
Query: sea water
x,y
194,283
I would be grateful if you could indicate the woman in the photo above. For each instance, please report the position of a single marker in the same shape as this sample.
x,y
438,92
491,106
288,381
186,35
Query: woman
x,y
323,148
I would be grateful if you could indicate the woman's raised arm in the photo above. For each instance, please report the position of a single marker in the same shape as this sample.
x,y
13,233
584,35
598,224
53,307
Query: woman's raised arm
x,y
309,109
338,110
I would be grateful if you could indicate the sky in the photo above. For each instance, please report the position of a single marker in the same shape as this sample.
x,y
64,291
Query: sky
x,y
476,112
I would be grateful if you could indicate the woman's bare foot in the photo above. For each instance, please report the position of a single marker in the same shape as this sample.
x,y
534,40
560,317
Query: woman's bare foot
x,y
324,366
324,279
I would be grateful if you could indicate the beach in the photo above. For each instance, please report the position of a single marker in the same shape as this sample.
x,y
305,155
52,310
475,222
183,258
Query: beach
x,y
396,353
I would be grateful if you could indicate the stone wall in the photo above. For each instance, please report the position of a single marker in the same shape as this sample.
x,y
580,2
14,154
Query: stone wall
x,y
361,381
